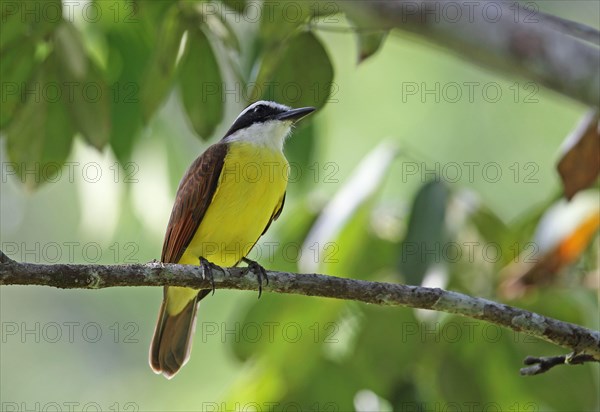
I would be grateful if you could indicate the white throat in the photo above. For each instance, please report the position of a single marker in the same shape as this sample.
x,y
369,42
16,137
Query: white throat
x,y
271,134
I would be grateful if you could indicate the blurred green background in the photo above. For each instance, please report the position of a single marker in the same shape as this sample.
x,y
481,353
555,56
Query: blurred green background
x,y
363,202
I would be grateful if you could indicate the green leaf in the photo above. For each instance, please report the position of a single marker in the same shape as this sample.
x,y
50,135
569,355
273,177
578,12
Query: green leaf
x,y
13,25
160,73
85,90
126,119
16,67
279,19
28,19
128,57
39,138
200,84
299,74
73,61
369,39
489,225
426,233
91,110
369,44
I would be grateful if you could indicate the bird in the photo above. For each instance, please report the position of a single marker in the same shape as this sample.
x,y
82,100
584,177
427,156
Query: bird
x,y
225,202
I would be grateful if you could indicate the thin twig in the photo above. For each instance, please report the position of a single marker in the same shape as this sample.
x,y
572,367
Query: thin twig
x,y
544,364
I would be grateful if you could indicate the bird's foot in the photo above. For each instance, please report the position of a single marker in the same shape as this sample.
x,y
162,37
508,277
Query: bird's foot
x,y
260,272
207,268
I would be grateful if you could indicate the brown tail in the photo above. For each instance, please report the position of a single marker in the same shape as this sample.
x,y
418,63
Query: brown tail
x,y
172,341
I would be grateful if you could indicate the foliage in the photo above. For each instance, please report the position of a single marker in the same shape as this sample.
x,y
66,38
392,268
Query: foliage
x,y
108,94
149,84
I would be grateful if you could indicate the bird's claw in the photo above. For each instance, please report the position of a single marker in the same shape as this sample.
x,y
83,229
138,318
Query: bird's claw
x,y
207,268
260,272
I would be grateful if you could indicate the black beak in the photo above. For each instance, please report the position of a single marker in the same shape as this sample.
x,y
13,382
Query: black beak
x,y
295,114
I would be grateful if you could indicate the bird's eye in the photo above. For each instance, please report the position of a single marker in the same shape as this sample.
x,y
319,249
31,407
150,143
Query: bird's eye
x,y
258,109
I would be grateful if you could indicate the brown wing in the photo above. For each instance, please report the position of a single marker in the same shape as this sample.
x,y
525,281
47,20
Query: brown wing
x,y
194,195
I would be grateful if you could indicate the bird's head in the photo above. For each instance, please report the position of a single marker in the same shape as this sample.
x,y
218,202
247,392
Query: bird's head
x,y
265,123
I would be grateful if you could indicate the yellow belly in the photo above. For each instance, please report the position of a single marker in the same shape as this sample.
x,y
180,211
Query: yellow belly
x,y
250,190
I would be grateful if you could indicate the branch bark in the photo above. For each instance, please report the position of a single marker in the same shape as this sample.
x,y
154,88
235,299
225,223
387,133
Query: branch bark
x,y
499,35
580,340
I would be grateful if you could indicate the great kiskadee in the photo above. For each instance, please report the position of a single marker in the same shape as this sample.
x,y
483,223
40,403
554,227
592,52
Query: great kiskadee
x,y
225,202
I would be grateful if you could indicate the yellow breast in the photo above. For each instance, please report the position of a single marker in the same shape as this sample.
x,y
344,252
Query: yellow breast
x,y
250,190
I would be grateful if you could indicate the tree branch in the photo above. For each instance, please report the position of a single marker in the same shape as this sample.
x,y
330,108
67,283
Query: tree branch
x,y
70,276
541,365
499,35
572,28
